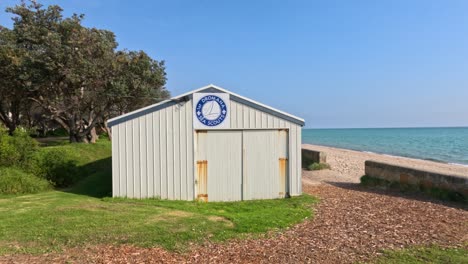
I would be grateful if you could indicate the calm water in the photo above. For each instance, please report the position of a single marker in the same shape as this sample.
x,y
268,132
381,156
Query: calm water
x,y
439,144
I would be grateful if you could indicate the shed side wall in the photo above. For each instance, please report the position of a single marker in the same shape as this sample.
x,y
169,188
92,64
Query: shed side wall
x,y
153,155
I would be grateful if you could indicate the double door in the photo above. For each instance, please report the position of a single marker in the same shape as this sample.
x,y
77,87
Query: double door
x,y
234,165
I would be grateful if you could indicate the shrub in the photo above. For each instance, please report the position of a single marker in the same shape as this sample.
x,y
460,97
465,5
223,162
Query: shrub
x,y
104,136
56,165
318,166
16,150
15,181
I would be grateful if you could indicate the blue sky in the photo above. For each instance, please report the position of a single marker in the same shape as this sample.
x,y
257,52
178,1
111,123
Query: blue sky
x,y
334,63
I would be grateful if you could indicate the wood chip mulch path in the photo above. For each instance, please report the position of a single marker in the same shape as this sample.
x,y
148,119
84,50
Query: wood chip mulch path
x,y
351,224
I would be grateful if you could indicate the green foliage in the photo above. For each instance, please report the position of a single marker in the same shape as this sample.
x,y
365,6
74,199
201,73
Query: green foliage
x,y
67,164
424,255
16,150
438,193
13,96
318,166
55,220
15,181
62,165
104,136
139,81
56,165
73,73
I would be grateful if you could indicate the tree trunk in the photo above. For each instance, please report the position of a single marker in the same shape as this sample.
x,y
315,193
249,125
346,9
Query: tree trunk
x,y
93,135
107,129
84,140
72,138
11,128
71,129
9,120
78,138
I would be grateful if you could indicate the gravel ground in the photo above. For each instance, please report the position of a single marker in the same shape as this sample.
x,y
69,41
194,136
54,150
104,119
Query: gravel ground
x,y
351,224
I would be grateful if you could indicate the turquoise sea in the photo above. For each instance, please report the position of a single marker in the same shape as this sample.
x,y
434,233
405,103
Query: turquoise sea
x,y
449,145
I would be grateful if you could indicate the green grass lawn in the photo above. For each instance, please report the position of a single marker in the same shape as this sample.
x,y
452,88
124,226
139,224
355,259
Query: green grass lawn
x,y
425,255
83,215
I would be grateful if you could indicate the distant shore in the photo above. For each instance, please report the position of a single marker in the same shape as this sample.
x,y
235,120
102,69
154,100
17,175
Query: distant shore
x,y
348,165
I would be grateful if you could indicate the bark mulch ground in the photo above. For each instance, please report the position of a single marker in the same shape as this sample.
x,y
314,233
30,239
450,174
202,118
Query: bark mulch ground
x,y
351,224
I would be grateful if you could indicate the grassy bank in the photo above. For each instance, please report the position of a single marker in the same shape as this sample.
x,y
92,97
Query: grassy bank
x,y
85,214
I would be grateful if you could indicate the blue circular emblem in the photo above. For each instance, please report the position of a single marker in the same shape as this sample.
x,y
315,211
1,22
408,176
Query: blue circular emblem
x,y
211,110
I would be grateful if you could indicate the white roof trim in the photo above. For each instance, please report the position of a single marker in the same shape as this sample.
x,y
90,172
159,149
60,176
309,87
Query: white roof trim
x,y
112,120
250,100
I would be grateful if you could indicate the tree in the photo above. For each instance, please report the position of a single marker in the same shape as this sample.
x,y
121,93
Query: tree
x,y
139,82
12,93
20,49
74,73
79,96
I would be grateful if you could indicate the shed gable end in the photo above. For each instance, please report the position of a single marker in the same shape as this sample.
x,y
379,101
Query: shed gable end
x,y
182,99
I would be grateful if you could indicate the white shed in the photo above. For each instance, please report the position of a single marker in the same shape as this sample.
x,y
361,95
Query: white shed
x,y
208,144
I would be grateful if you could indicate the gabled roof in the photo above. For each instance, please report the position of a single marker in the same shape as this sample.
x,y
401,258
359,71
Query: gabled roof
x,y
209,89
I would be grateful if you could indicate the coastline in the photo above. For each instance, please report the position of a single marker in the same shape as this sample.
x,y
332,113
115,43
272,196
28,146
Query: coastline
x,y
440,144
348,165
390,155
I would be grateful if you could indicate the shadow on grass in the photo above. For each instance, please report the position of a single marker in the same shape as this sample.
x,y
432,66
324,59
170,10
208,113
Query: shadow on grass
x,y
96,179
397,192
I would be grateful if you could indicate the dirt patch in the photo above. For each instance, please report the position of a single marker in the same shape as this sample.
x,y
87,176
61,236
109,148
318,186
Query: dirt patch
x,y
224,220
176,213
169,215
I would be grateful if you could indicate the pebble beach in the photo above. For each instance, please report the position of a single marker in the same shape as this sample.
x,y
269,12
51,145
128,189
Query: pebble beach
x,y
348,165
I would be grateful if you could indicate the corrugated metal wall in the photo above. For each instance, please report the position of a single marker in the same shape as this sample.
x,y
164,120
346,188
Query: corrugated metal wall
x,y
246,117
241,164
261,164
152,155
222,150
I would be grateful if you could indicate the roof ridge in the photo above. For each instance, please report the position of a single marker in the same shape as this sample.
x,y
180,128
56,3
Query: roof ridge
x,y
144,110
